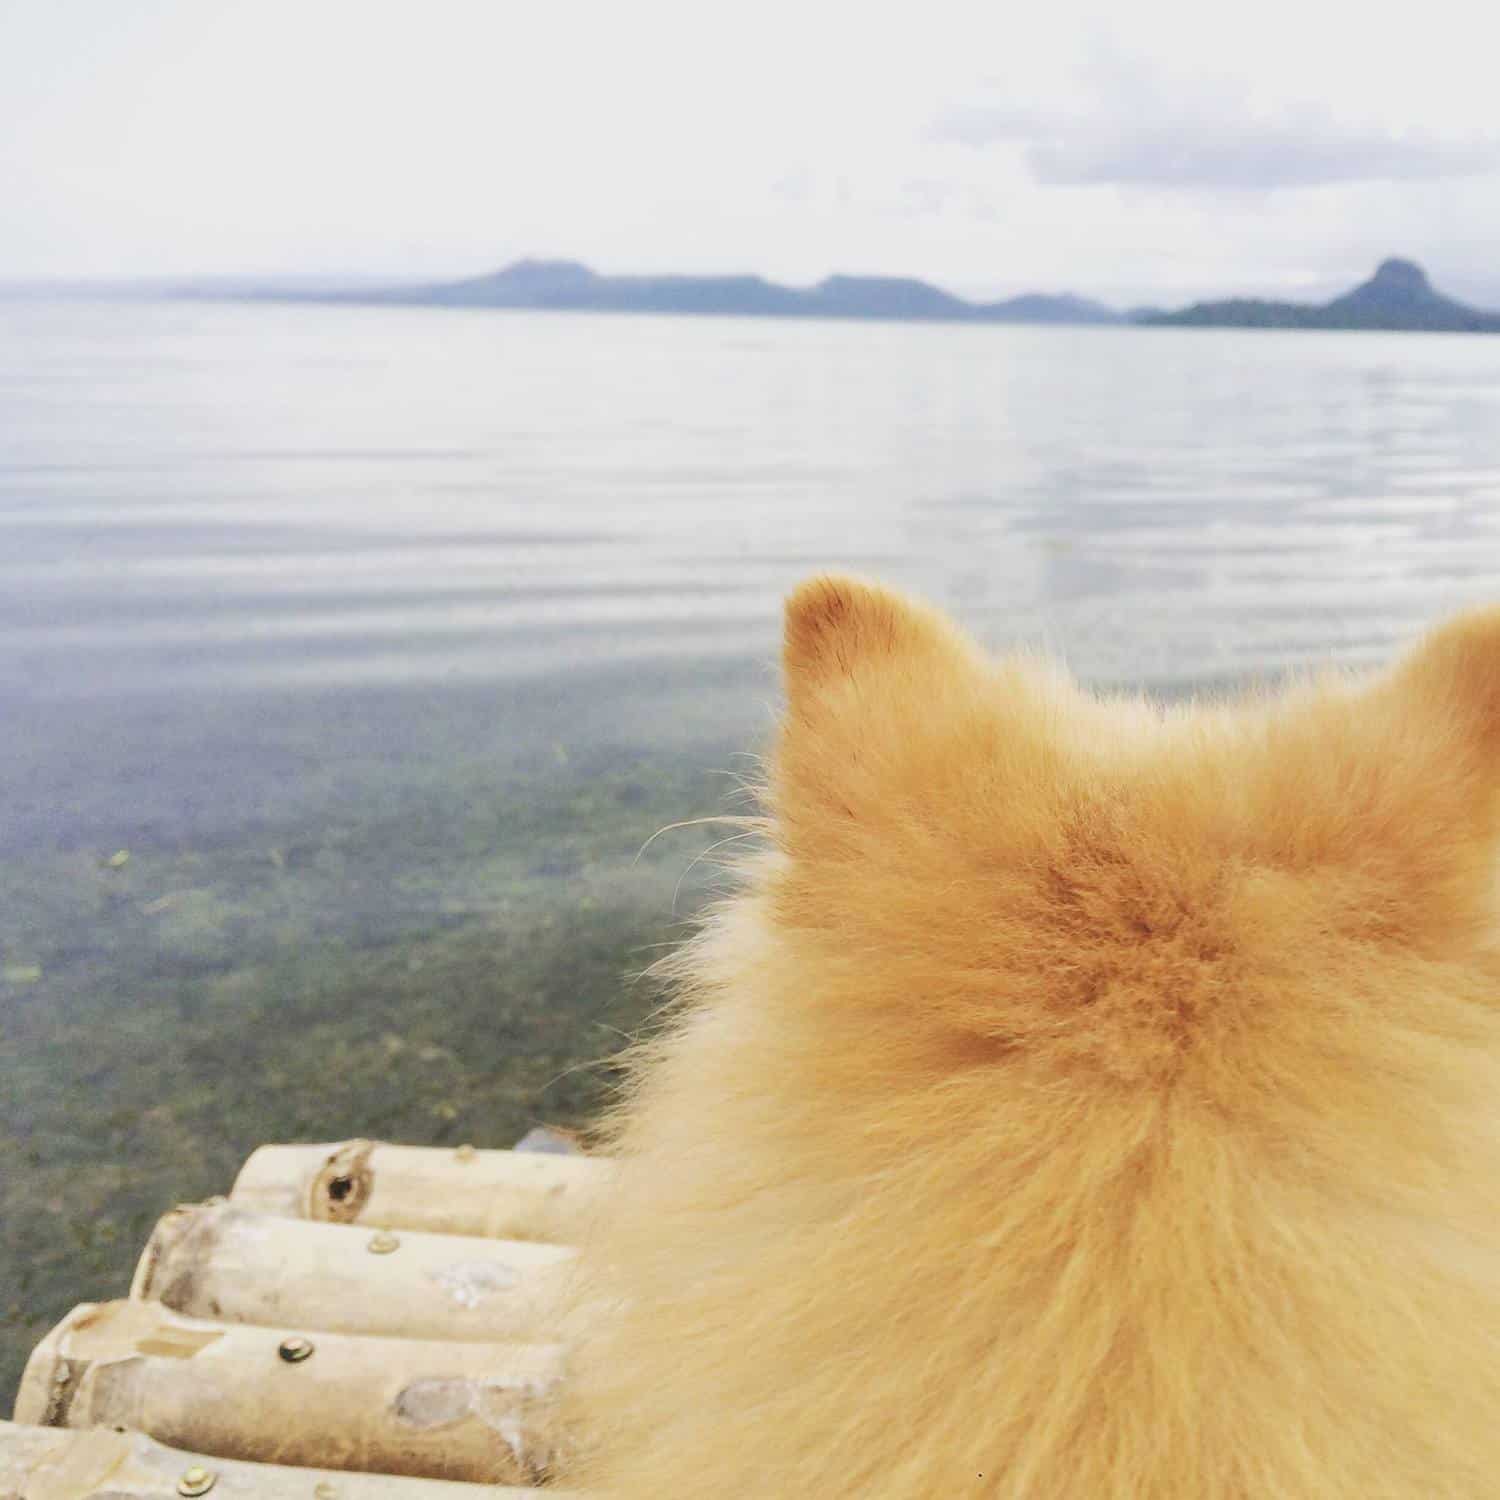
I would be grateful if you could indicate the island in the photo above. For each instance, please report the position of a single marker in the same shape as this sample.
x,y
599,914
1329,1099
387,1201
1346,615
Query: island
x,y
1398,298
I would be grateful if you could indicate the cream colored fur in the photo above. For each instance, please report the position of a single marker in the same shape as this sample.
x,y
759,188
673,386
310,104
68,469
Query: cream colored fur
x,y
1081,1100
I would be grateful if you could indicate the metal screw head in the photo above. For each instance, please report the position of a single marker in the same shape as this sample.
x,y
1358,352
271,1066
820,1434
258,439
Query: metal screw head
x,y
295,1349
324,1490
196,1481
382,1242
465,1153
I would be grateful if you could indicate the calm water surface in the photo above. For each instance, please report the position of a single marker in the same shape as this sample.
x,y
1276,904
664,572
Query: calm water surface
x,y
247,498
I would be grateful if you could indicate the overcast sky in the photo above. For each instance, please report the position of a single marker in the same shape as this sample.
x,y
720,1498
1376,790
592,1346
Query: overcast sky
x,y
1141,152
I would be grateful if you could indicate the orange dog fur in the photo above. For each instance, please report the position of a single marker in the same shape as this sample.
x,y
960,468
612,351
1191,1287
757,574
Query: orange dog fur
x,y
1081,1099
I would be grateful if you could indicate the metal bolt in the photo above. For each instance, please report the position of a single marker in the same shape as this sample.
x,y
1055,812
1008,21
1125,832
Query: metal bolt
x,y
465,1153
196,1481
295,1349
323,1490
382,1242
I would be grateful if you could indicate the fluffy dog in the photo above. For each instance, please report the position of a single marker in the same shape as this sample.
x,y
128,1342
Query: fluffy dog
x,y
1080,1100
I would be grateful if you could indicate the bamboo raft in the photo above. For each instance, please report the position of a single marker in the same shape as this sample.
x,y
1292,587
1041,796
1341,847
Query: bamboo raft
x,y
355,1321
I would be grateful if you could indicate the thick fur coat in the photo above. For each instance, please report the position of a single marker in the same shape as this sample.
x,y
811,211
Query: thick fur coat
x,y
1081,1099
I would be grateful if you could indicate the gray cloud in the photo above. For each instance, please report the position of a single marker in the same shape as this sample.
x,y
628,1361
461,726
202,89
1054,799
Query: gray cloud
x,y
1227,154
1130,125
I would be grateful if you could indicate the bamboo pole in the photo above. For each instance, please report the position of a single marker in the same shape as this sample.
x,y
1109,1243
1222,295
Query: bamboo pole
x,y
216,1260
476,1412
50,1463
498,1194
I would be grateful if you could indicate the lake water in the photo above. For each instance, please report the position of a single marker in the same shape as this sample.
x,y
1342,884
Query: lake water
x,y
256,509
349,655
249,498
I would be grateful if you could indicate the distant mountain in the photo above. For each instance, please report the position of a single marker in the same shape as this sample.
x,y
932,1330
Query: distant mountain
x,y
529,282
1397,297
566,285
884,297
1036,307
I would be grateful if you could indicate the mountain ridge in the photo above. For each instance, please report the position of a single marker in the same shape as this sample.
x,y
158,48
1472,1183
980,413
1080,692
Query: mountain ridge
x,y
571,286
1398,298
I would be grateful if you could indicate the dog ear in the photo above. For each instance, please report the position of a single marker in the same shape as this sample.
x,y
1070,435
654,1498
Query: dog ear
x,y
1391,795
851,644
871,678
1455,673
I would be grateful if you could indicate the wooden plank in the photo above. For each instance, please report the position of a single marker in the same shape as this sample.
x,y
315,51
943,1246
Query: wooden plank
x,y
217,1260
498,1194
52,1463
465,1411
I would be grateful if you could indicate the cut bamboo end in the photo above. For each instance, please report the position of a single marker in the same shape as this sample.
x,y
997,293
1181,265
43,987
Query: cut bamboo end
x,y
217,1260
460,1411
495,1194
49,1463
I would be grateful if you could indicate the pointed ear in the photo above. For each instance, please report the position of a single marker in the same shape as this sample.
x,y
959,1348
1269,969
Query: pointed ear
x,y
1454,674
871,678
848,638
